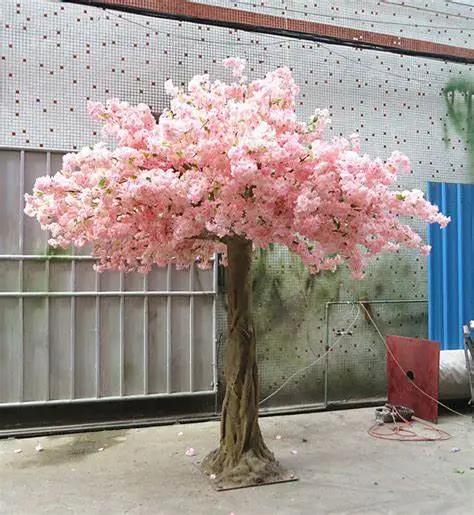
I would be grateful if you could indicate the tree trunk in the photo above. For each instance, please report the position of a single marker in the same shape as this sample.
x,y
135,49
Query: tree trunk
x,y
242,457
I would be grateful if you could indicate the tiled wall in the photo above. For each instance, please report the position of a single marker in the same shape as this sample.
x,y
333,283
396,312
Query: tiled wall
x,y
55,56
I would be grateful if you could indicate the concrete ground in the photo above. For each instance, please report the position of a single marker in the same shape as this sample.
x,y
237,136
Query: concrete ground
x,y
146,471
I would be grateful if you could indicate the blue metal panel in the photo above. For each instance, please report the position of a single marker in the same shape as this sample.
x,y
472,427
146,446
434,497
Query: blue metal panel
x,y
450,274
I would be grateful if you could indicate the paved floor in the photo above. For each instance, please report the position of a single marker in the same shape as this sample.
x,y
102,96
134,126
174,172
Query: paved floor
x,y
146,471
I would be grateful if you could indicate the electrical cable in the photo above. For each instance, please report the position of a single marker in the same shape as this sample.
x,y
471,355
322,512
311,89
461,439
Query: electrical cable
x,y
424,9
454,2
281,40
400,431
388,350
354,18
385,72
403,370
300,371
286,42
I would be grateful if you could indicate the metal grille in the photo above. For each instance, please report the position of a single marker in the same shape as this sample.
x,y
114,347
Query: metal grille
x,y
69,333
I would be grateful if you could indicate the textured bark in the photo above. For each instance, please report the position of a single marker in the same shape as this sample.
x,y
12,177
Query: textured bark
x,y
242,457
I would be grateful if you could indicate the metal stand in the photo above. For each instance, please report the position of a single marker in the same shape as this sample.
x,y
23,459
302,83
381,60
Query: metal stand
x,y
469,353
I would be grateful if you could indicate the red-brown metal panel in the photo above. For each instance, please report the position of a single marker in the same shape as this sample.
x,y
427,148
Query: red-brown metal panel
x,y
413,375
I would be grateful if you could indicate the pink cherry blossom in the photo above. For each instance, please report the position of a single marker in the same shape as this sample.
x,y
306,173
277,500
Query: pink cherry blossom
x,y
225,160
236,64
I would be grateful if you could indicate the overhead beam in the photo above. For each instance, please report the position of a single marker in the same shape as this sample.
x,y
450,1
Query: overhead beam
x,y
186,10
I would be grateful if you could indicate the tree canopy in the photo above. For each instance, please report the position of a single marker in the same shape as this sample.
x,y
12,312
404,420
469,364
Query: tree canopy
x,y
226,160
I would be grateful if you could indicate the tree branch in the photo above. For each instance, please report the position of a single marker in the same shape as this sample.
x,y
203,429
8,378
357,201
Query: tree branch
x,y
210,236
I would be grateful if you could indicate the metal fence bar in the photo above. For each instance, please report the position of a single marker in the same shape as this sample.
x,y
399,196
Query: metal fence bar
x,y
104,399
191,328
390,301
146,386
21,309
215,287
72,335
39,257
121,336
52,150
47,303
97,337
15,294
326,360
168,331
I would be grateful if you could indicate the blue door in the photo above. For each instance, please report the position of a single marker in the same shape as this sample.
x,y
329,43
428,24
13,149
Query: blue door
x,y
450,264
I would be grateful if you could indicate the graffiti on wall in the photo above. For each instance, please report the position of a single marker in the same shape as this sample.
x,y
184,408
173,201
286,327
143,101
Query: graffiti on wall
x,y
459,98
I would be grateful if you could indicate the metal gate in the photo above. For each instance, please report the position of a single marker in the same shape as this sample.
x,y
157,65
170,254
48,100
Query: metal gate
x,y
69,334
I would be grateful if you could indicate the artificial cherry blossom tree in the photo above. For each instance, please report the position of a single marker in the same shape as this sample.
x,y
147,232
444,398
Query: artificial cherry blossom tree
x,y
226,169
